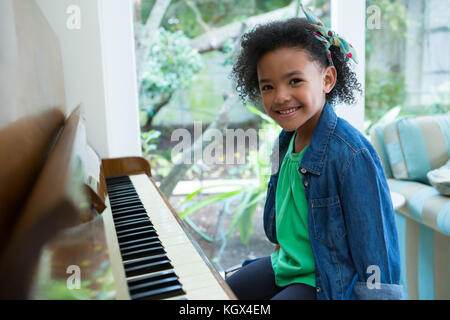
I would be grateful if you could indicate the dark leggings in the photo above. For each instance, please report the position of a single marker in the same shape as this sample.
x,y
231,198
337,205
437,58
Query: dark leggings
x,y
256,281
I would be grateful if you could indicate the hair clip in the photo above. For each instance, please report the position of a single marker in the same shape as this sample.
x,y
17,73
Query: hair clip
x,y
328,37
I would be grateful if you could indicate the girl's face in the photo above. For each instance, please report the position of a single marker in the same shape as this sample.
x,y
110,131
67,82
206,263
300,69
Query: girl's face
x,y
293,88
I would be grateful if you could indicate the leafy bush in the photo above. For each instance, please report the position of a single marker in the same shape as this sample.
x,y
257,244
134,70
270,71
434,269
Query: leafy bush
x,y
384,90
171,67
159,161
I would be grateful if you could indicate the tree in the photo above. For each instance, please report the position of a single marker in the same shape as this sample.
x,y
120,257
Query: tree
x,y
211,39
144,40
170,67
214,39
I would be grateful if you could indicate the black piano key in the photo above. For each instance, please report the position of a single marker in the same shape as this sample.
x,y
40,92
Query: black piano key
x,y
123,195
129,215
118,183
119,188
156,284
117,207
120,220
163,293
134,230
118,195
133,209
137,235
113,184
147,265
124,244
141,241
115,197
113,194
116,179
127,218
151,277
131,264
133,223
125,199
120,206
133,218
152,282
140,245
145,252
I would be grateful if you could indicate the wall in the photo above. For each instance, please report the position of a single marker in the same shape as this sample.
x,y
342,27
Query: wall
x,y
99,67
349,21
31,78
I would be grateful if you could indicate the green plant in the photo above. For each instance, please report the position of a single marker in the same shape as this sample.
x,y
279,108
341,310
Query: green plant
x,y
227,49
149,140
385,83
170,67
159,162
384,90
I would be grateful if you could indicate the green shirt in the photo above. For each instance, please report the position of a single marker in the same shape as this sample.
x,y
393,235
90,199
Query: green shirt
x,y
294,261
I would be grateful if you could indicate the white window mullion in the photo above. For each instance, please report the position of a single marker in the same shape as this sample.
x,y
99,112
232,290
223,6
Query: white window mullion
x,y
348,19
119,73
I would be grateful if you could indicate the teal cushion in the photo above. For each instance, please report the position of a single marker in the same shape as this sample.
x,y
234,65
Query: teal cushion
x,y
440,179
424,204
417,145
377,139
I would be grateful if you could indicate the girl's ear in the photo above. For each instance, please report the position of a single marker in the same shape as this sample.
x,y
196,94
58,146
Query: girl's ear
x,y
329,79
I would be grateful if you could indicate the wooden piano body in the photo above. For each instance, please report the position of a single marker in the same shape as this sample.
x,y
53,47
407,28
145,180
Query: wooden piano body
x,y
62,240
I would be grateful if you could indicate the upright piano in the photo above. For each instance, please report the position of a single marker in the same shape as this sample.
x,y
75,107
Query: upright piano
x,y
74,226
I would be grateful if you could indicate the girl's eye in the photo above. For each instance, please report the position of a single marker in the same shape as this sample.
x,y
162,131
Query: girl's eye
x,y
295,81
266,87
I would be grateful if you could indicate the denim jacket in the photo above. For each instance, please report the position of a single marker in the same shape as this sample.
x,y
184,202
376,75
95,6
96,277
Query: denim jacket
x,y
351,220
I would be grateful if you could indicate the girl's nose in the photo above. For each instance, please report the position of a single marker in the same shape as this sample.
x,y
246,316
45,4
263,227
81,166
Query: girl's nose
x,y
282,97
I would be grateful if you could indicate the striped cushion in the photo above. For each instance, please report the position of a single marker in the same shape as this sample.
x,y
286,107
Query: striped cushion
x,y
424,204
423,226
377,139
425,260
394,151
416,145
440,179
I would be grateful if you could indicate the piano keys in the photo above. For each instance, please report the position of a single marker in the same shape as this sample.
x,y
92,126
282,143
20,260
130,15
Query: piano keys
x,y
159,259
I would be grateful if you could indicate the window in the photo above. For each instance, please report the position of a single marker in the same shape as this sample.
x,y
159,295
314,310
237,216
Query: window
x,y
407,60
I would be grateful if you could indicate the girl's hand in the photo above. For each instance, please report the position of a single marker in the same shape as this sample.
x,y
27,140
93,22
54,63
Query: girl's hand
x,y
277,247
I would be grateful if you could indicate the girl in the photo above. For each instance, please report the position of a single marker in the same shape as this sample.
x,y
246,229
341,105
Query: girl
x,y
328,208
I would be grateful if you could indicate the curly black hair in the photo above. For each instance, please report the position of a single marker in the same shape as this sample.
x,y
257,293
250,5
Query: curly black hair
x,y
291,33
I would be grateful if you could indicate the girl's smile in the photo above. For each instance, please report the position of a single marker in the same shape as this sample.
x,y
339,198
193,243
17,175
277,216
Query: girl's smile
x,y
287,113
293,90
